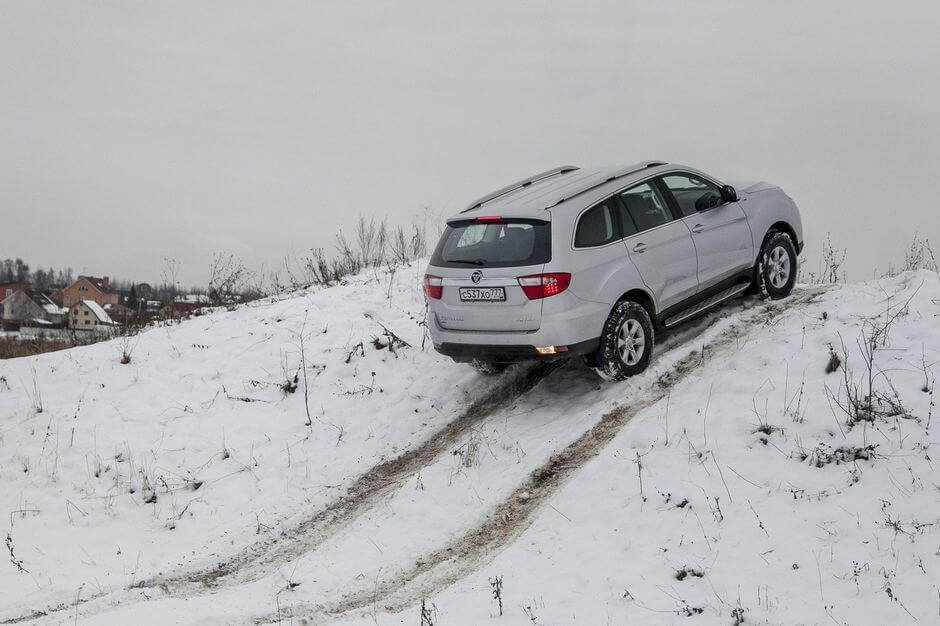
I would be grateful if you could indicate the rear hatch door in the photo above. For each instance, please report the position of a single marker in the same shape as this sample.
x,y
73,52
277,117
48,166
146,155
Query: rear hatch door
x,y
480,261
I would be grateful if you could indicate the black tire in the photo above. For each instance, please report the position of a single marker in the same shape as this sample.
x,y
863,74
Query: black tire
x,y
629,321
776,266
488,368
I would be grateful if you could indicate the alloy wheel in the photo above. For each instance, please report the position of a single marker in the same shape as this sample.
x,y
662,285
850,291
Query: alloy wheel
x,y
631,342
778,267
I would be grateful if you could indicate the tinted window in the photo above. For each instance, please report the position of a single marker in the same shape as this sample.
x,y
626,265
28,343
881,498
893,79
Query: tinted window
x,y
645,206
597,226
692,193
508,243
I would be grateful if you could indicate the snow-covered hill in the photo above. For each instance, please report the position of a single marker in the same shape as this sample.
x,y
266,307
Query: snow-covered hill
x,y
311,459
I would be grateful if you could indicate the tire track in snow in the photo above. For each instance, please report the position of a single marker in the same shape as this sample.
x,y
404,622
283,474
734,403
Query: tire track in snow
x,y
260,559
465,554
265,557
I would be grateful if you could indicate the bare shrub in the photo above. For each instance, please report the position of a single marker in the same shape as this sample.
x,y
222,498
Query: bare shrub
x,y
428,613
832,260
406,246
35,395
374,244
469,451
127,348
372,238
861,400
17,563
830,265
317,269
684,572
919,256
230,281
825,454
834,361
496,587
389,340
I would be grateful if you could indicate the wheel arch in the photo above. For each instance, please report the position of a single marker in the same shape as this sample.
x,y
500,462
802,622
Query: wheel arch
x,y
641,297
781,227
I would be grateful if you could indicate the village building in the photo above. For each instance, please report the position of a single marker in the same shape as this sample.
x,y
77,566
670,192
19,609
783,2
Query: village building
x,y
89,315
119,313
10,288
27,307
184,305
90,288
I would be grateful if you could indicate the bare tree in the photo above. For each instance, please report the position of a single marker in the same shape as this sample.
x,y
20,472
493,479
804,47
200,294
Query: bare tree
x,y
170,275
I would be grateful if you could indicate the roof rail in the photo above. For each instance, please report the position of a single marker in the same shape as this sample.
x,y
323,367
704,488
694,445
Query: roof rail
x,y
625,171
564,169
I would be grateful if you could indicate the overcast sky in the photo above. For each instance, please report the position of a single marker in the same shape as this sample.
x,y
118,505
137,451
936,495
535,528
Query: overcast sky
x,y
133,131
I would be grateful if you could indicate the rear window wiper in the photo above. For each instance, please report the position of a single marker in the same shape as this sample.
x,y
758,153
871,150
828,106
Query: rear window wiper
x,y
467,261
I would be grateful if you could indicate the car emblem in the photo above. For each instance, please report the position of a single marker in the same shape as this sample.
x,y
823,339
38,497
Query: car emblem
x,y
476,276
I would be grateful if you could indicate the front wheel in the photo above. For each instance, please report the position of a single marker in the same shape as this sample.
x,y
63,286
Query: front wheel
x,y
777,266
626,342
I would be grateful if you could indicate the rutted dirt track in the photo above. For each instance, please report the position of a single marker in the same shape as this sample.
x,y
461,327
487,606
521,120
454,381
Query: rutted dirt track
x,y
263,558
503,524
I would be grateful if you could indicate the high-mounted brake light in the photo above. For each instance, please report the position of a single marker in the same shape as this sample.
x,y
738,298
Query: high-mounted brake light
x,y
490,218
433,286
544,285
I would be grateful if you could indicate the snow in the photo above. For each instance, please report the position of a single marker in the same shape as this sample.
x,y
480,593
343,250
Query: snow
x,y
730,433
53,309
193,298
98,311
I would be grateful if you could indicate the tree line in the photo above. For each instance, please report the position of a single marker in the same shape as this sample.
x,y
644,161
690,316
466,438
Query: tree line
x,y
16,270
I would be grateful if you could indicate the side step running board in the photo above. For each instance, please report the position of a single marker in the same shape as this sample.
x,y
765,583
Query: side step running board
x,y
719,297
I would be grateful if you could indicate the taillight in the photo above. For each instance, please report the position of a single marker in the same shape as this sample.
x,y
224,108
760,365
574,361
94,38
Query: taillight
x,y
544,285
433,286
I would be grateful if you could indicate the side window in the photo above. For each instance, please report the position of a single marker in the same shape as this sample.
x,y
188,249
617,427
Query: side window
x,y
692,193
597,226
645,208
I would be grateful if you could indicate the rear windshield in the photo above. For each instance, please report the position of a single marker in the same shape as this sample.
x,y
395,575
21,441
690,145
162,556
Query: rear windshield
x,y
507,243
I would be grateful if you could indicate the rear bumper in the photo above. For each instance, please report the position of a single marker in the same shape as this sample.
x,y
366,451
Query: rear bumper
x,y
466,352
565,320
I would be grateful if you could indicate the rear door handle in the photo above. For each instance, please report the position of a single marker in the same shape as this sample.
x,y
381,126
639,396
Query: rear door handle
x,y
697,228
640,247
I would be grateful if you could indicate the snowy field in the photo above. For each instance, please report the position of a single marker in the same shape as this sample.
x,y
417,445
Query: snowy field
x,y
312,460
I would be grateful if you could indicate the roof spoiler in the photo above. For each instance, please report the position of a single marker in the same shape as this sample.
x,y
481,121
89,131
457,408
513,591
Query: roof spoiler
x,y
525,182
624,171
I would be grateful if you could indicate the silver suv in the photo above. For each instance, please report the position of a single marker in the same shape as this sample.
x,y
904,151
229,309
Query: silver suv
x,y
593,262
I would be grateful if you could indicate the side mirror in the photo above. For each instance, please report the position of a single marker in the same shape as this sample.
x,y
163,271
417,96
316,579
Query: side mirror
x,y
728,194
707,200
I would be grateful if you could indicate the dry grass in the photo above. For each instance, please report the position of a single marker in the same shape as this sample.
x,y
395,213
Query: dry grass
x,y
11,347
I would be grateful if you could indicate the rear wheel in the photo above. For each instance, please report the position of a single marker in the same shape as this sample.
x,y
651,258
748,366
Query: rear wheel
x,y
626,342
488,368
776,269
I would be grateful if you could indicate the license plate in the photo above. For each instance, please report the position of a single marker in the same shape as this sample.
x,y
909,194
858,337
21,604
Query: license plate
x,y
482,294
